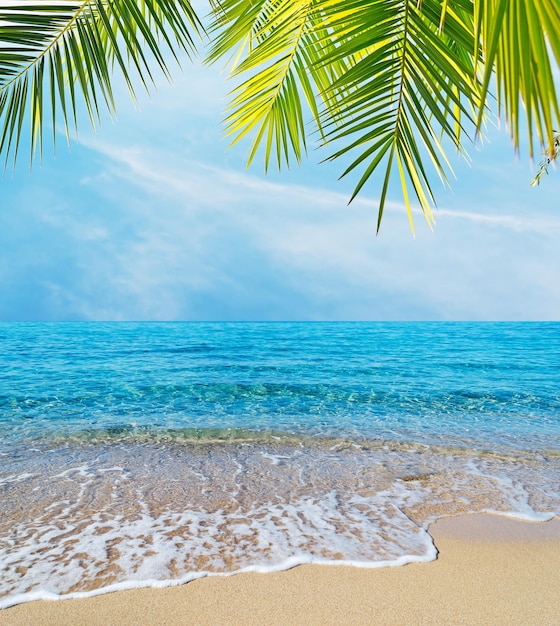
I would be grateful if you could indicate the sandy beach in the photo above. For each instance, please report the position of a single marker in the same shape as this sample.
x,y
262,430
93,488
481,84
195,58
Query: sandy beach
x,y
490,570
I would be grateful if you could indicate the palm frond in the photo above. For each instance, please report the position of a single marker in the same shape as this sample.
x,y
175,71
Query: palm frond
x,y
390,84
413,86
274,45
521,50
53,53
384,76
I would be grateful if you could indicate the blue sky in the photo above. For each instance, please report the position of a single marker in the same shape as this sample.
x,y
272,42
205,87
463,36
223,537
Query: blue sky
x,y
152,217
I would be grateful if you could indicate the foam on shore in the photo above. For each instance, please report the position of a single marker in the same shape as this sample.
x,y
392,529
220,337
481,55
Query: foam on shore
x,y
489,570
139,515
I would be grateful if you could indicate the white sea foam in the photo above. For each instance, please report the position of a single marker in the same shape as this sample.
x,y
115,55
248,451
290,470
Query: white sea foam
x,y
82,470
275,459
273,537
287,564
516,494
164,515
15,478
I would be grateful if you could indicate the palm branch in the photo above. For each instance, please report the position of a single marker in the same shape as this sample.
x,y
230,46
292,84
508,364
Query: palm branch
x,y
390,84
55,53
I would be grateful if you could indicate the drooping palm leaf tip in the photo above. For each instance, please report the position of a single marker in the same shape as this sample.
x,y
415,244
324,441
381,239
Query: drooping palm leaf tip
x,y
389,85
55,54
550,156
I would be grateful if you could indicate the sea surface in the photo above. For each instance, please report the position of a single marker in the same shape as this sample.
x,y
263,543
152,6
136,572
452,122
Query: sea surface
x,y
148,454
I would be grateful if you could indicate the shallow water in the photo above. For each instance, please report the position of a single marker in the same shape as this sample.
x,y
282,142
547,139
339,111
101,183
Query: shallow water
x,y
140,454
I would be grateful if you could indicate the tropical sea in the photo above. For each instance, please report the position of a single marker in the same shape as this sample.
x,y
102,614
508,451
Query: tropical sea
x,y
151,454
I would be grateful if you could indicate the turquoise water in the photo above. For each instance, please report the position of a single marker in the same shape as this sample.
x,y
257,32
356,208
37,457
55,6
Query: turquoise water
x,y
164,452
485,385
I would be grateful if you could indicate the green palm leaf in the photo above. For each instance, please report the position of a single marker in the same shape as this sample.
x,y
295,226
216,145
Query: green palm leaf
x,y
520,41
383,78
275,44
390,84
413,85
52,53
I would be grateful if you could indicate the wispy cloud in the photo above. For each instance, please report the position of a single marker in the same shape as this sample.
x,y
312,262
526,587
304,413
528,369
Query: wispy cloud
x,y
160,172
208,241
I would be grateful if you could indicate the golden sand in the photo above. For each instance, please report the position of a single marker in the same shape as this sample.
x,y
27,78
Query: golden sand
x,y
490,570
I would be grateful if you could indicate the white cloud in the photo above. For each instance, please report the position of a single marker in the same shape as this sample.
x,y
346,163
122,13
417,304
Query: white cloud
x,y
261,248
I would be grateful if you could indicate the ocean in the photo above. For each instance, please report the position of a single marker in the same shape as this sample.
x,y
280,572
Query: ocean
x,y
151,454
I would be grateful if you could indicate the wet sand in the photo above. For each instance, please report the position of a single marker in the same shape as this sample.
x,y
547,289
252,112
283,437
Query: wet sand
x,y
490,570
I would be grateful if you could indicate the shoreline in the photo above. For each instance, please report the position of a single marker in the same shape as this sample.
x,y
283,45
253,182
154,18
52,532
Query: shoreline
x,y
490,570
